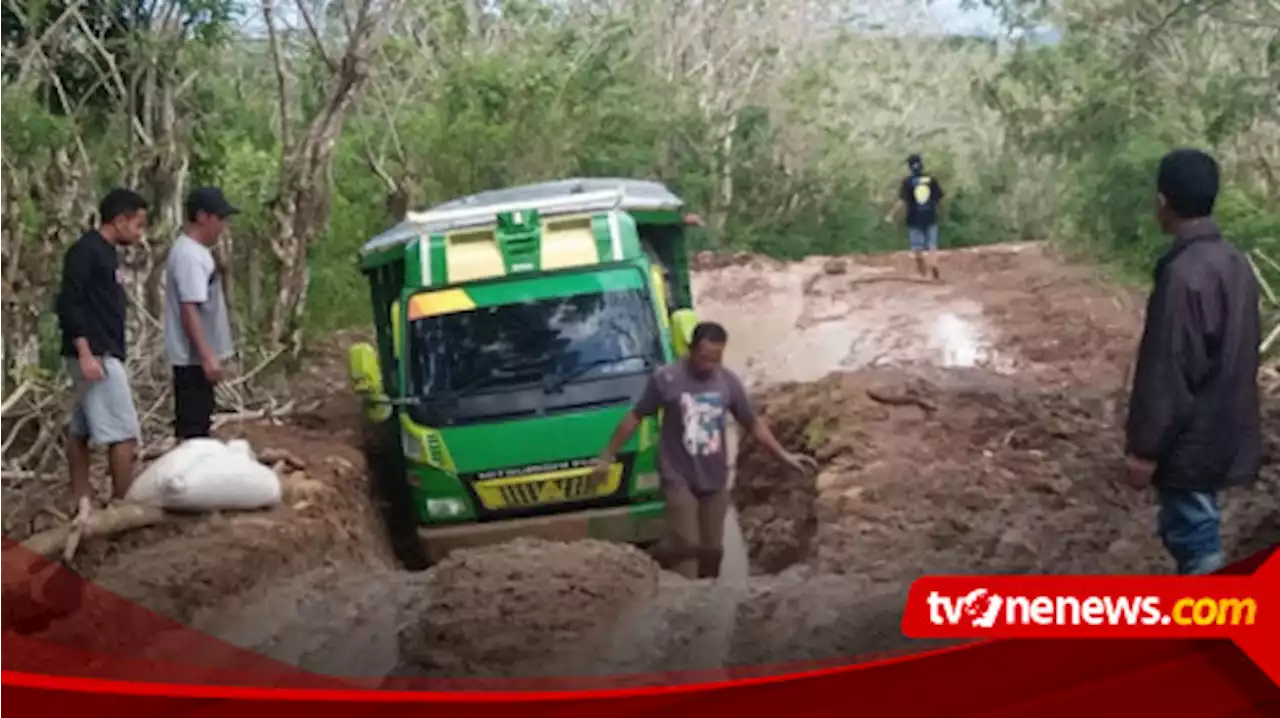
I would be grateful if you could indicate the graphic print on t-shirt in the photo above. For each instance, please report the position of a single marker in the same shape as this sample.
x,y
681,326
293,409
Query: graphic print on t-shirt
x,y
922,191
703,416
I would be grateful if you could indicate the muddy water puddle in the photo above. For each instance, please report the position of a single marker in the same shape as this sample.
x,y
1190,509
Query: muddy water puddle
x,y
798,323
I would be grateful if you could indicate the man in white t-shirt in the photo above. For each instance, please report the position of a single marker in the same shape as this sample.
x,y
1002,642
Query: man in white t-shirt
x,y
197,328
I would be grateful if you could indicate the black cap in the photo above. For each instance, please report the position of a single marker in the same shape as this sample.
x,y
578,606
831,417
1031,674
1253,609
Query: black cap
x,y
209,200
914,160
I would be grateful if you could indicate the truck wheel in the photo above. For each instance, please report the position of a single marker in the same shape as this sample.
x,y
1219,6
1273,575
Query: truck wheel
x,y
392,498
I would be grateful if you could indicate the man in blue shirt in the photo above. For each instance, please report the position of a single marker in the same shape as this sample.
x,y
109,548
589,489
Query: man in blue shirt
x,y
920,194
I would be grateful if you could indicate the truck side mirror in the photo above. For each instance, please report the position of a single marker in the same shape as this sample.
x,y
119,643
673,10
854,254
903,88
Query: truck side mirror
x,y
363,370
682,323
365,375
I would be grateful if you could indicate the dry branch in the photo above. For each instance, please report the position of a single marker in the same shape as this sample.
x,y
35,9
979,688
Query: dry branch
x,y
271,456
883,397
106,522
1262,281
1271,339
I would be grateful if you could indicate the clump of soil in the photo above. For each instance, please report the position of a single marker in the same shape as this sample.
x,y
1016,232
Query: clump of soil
x,y
961,471
505,610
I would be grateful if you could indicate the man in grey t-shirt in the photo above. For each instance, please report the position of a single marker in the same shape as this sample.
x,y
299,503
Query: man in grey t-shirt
x,y
197,328
695,396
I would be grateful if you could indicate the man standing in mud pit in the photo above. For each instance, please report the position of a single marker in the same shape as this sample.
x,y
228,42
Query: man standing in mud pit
x,y
91,312
197,328
920,194
1194,427
694,395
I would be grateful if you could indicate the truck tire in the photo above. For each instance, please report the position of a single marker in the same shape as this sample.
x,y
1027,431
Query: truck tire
x,y
391,495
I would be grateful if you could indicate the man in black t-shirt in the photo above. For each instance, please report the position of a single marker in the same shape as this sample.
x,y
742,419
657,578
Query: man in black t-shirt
x,y
920,194
91,307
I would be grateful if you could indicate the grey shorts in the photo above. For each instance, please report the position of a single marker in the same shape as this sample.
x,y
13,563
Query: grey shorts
x,y
103,410
922,238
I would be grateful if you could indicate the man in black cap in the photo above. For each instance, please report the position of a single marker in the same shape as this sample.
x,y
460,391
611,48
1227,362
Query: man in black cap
x,y
920,195
196,321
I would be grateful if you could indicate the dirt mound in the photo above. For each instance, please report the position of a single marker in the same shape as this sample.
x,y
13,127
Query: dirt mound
x,y
194,563
960,471
802,616
505,610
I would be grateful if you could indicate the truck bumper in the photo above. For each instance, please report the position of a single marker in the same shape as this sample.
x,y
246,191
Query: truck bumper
x,y
635,524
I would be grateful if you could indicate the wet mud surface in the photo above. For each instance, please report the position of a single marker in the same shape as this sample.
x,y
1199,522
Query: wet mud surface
x,y
971,425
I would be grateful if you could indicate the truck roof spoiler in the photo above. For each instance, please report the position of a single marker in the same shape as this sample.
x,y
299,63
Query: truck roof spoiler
x,y
579,196
445,220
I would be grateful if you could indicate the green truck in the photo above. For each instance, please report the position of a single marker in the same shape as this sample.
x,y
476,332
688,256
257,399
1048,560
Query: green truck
x,y
514,328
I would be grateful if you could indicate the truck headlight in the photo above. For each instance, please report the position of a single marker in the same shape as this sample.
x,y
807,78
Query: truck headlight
x,y
445,508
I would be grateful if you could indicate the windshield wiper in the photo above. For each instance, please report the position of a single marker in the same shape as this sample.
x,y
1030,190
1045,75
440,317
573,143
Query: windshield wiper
x,y
484,381
556,382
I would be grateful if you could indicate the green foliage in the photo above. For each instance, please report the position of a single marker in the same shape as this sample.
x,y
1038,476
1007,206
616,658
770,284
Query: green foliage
x,y
29,128
1115,95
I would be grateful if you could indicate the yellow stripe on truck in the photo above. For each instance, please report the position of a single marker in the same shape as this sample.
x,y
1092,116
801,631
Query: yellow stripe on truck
x,y
444,301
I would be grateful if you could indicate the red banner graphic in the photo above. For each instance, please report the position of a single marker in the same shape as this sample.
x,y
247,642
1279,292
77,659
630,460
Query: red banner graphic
x,y
72,646
1245,609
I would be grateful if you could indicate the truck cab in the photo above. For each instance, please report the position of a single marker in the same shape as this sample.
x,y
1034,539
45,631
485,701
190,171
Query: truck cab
x,y
514,328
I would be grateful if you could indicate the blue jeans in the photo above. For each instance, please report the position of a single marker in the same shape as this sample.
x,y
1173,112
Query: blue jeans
x,y
1190,525
922,238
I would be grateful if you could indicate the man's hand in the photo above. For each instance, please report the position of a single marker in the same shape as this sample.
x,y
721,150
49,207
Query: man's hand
x,y
91,368
600,469
1138,472
800,463
212,370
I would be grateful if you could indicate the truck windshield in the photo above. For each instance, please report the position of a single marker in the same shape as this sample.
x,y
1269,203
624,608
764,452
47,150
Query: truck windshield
x,y
585,336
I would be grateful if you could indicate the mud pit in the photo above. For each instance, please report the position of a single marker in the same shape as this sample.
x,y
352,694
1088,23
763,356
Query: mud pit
x,y
966,426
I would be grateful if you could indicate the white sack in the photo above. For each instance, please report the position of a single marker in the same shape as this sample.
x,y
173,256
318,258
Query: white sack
x,y
150,486
207,475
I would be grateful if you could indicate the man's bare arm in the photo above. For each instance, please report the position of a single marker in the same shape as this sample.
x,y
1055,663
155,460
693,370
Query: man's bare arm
x,y
760,432
83,350
621,435
898,206
195,331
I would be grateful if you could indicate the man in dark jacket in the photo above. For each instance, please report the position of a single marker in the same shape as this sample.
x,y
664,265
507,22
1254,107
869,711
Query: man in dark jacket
x,y
1194,426
91,312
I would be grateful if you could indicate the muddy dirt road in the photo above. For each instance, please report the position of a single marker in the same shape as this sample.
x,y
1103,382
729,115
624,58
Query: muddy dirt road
x,y
969,425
